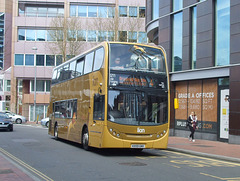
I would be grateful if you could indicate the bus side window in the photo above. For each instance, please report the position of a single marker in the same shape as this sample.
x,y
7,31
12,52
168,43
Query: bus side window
x,y
98,60
88,63
98,107
72,66
65,72
79,67
54,77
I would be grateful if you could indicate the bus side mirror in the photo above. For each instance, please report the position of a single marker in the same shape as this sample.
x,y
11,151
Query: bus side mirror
x,y
176,103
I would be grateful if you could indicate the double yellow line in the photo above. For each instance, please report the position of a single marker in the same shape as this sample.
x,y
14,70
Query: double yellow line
x,y
28,167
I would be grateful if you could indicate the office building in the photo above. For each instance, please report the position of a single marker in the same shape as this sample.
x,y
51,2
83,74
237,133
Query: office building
x,y
46,33
201,38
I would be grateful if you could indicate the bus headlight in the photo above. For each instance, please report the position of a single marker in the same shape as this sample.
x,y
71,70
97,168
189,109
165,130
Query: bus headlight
x,y
114,132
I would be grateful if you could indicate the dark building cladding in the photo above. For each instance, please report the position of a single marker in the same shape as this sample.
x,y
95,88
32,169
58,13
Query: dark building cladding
x,y
201,38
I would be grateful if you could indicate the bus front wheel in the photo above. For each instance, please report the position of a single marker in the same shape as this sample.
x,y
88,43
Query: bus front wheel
x,y
85,139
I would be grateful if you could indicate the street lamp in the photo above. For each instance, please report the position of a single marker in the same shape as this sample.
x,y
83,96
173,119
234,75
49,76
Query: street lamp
x,y
35,82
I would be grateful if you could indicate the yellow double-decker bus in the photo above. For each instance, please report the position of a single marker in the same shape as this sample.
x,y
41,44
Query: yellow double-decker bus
x,y
115,95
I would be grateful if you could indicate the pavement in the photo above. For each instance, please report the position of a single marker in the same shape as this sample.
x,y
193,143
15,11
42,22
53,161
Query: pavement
x,y
12,171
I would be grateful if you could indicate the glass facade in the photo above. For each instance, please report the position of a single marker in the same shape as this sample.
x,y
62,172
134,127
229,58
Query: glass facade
x,y
222,43
1,39
41,112
80,35
40,11
41,60
155,9
194,37
177,5
177,42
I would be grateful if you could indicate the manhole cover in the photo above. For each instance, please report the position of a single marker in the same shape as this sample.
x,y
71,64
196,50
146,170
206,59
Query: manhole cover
x,y
133,164
5,171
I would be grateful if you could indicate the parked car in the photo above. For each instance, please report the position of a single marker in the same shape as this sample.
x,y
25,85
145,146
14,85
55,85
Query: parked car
x,y
16,118
45,121
6,122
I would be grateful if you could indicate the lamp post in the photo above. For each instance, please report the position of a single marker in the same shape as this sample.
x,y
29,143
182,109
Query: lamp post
x,y
35,82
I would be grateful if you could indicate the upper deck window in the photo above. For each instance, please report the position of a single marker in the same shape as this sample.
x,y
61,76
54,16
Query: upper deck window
x,y
135,57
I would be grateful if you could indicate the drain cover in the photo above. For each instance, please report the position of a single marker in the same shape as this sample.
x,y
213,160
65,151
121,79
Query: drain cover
x,y
133,164
5,171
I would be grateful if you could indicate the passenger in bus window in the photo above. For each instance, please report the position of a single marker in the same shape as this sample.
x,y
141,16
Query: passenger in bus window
x,y
117,63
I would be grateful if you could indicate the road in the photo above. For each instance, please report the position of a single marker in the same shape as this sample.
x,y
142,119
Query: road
x,y
50,159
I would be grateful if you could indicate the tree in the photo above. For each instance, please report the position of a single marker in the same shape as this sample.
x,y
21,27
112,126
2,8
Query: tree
x,y
66,36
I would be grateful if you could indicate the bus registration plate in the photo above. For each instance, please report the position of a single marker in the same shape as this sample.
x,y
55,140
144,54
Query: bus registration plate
x,y
137,146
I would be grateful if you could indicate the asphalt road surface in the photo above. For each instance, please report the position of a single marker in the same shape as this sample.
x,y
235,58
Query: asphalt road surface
x,y
49,159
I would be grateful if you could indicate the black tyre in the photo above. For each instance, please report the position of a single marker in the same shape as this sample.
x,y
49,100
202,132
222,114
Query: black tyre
x,y
85,139
18,121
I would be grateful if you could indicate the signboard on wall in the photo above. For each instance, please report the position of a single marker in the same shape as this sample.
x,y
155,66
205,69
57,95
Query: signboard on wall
x,y
199,96
224,114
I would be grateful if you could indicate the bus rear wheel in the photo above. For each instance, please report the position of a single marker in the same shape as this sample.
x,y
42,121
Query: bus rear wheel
x,y
85,139
56,131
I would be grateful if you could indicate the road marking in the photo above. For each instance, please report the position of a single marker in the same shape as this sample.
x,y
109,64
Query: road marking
x,y
209,159
28,167
228,179
202,163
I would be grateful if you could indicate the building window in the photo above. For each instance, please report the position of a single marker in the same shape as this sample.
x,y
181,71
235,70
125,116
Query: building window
x,y
73,10
142,12
102,36
194,37
133,11
29,60
111,36
41,111
92,11
142,37
177,42
71,35
58,60
41,85
122,36
123,11
81,35
111,12
40,60
177,5
41,35
7,85
102,11
50,60
30,35
155,9
31,11
82,11
222,33
18,59
41,11
92,37
51,34
21,34
132,36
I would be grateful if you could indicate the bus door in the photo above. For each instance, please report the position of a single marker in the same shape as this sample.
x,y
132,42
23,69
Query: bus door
x,y
97,125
